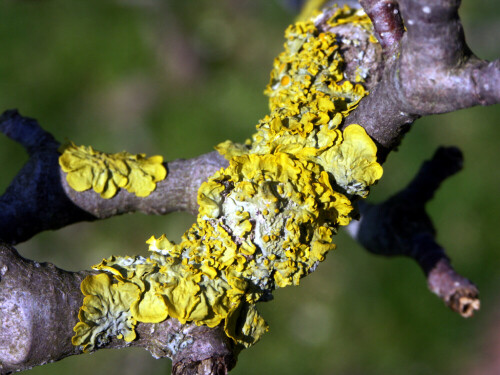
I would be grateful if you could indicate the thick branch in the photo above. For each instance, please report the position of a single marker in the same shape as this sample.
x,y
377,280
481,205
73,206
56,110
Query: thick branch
x,y
39,306
40,199
430,71
400,226
38,309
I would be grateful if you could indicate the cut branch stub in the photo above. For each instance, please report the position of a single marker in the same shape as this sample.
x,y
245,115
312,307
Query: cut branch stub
x,y
401,226
210,366
458,293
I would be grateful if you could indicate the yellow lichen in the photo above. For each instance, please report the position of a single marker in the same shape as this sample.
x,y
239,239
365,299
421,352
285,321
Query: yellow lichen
x,y
269,218
105,173
105,311
353,162
344,15
310,9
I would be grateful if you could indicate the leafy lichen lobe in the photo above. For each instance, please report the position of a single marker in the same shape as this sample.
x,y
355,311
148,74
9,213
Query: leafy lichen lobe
x,y
265,221
106,173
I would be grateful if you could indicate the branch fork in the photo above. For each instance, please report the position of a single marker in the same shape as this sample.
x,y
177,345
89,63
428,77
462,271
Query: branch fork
x,y
425,69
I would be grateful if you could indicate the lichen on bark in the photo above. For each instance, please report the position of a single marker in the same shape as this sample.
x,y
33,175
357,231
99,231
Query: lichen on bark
x,y
266,220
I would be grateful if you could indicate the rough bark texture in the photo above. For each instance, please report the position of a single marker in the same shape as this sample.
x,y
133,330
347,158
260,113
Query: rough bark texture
x,y
36,321
178,192
424,70
215,365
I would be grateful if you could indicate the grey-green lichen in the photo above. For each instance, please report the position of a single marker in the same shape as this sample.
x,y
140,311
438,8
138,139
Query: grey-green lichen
x,y
265,221
175,343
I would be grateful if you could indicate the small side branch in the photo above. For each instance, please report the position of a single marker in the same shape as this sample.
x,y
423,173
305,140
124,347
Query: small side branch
x,y
401,226
39,198
178,192
26,132
486,82
35,200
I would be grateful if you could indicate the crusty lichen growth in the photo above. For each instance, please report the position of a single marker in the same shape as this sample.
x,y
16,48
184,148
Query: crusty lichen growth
x,y
106,173
269,218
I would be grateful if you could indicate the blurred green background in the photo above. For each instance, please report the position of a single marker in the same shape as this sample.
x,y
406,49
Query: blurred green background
x,y
177,77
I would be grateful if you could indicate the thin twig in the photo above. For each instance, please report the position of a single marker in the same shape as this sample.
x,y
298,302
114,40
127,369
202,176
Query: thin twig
x,y
401,226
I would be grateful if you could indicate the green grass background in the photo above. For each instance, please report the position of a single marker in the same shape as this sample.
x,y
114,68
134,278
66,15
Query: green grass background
x,y
177,77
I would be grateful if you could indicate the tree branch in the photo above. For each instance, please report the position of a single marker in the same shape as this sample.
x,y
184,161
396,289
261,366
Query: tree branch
x,y
36,323
39,198
178,192
427,69
431,70
400,226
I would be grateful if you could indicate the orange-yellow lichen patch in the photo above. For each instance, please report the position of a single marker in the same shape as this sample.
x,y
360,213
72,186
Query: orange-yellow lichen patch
x,y
106,173
353,162
347,15
269,218
168,285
